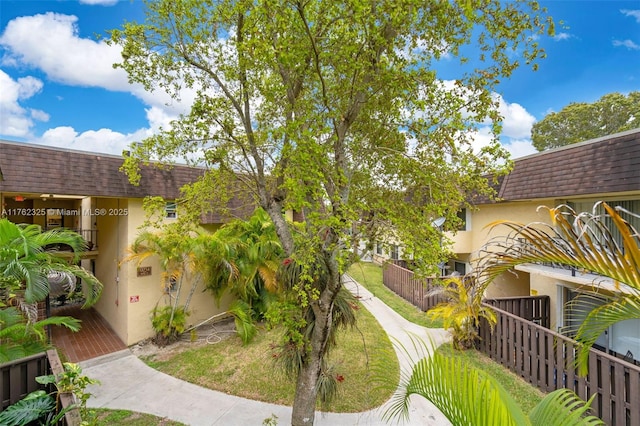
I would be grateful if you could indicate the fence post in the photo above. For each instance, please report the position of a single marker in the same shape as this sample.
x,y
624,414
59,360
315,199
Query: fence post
x,y
72,417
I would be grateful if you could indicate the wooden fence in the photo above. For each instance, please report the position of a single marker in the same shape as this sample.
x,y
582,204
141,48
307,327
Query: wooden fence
x,y
540,356
18,379
400,280
546,359
536,309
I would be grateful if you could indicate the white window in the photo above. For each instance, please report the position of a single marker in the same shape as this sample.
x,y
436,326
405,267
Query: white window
x,y
171,210
379,248
462,215
394,252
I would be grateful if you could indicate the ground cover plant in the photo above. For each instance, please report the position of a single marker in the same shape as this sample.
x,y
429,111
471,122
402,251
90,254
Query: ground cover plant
x,y
250,370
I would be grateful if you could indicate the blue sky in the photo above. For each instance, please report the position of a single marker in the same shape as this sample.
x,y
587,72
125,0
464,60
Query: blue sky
x,y
57,86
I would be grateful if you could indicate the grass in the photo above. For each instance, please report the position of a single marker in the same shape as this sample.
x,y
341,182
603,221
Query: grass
x,y
105,417
369,275
523,393
250,371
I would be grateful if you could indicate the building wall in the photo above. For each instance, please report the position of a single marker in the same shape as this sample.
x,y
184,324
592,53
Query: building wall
x,y
141,294
542,285
112,244
507,285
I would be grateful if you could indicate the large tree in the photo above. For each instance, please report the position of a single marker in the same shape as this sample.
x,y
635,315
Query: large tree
x,y
332,109
581,121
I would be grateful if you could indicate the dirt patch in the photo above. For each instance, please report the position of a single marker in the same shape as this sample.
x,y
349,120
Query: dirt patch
x,y
203,335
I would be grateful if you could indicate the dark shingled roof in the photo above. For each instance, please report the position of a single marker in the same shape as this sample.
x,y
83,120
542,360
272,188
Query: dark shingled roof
x,y
605,165
30,168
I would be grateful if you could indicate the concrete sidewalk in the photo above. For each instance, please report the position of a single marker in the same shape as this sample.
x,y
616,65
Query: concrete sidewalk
x,y
128,383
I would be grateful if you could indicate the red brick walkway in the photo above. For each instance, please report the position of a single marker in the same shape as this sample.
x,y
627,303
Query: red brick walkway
x,y
94,339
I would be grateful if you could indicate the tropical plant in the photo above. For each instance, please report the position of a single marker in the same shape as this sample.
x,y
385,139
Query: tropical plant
x,y
243,259
240,258
463,309
174,246
299,325
168,323
20,338
28,257
37,406
42,408
585,241
71,381
468,396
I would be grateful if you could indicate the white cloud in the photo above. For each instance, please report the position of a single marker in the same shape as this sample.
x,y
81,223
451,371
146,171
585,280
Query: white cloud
x,y
519,148
15,120
50,42
516,120
632,13
103,140
629,44
99,2
39,115
562,36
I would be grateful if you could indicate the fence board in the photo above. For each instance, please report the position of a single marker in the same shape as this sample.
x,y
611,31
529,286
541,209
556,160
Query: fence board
x,y
522,342
614,382
17,378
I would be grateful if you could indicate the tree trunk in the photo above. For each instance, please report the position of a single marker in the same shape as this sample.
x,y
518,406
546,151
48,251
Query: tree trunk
x,y
304,403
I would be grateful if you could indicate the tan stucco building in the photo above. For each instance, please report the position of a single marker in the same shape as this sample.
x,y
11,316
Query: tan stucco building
x,y
604,169
86,192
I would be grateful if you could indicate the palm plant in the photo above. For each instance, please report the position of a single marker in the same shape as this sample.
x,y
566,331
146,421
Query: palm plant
x,y
20,338
174,247
462,310
299,325
243,258
584,241
468,396
27,260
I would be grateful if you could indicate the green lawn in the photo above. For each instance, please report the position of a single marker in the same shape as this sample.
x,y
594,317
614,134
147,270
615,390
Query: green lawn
x,y
250,371
103,417
370,276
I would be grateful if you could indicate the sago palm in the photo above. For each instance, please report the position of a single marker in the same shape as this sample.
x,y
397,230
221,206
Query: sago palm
x,y
584,241
468,396
27,259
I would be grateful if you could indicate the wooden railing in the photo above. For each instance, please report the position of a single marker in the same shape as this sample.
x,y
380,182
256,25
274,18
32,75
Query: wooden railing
x,y
536,309
400,280
546,359
540,356
18,379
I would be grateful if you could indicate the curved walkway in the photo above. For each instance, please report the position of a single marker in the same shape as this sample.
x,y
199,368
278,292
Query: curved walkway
x,y
128,383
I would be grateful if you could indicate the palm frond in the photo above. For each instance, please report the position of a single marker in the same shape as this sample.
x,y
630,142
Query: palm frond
x,y
464,395
599,319
563,407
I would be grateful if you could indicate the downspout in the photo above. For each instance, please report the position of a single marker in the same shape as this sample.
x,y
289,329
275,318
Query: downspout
x,y
117,301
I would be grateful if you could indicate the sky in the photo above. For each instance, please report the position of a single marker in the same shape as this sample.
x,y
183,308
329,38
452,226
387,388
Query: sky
x,y
58,86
